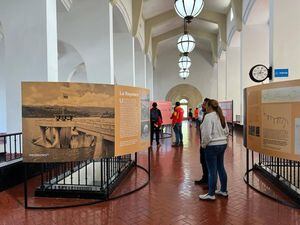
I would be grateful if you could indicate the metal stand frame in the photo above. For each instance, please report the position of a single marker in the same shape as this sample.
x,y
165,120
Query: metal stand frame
x,y
256,167
108,197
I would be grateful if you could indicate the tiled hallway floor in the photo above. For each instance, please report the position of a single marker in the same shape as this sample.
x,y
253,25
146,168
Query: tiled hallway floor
x,y
170,198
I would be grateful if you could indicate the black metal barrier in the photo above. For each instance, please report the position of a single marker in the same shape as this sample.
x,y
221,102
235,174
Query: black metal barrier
x,y
10,147
87,179
283,173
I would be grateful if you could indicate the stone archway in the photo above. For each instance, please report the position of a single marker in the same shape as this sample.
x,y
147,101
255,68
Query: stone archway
x,y
185,91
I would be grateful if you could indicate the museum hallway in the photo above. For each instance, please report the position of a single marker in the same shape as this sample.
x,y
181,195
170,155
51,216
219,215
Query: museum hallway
x,y
170,198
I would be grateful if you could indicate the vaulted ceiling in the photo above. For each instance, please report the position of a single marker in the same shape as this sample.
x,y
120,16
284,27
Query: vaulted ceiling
x,y
165,26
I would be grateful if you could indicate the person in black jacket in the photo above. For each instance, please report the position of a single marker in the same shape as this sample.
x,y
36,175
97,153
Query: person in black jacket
x,y
204,179
156,122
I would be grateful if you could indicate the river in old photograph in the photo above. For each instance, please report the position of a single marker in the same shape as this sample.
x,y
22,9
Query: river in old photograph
x,y
67,121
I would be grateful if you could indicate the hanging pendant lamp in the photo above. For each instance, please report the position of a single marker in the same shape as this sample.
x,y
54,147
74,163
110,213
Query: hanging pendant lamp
x,y
186,43
188,9
184,73
184,62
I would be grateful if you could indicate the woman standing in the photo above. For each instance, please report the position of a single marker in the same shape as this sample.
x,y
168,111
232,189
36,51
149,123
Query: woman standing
x,y
214,133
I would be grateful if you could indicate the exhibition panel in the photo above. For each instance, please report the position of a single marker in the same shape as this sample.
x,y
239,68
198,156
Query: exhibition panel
x,y
166,111
227,108
272,119
65,122
271,135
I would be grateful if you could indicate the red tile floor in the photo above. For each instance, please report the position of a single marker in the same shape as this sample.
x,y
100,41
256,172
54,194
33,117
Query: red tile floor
x,y
170,198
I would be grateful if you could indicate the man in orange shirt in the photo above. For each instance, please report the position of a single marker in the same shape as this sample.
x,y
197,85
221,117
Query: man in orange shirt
x,y
177,118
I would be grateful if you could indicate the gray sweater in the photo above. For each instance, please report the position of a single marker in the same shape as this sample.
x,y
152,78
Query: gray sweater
x,y
212,132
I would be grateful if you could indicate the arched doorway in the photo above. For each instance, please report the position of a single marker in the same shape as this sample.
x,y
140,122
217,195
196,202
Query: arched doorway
x,y
185,105
185,91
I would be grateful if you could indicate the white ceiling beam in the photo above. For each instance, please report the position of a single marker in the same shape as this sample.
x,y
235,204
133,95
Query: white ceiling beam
x,y
205,15
137,7
212,38
219,19
237,8
156,21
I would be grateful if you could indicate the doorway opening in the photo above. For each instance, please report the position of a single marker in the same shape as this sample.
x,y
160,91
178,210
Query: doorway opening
x,y
184,104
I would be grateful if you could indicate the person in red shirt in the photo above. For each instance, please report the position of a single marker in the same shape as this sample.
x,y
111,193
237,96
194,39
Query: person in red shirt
x,y
177,118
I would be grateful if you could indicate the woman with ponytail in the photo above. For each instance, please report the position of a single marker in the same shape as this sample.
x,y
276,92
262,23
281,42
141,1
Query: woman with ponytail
x,y
214,133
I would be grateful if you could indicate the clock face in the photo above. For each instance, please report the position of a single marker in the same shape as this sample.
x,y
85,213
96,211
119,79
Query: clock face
x,y
259,73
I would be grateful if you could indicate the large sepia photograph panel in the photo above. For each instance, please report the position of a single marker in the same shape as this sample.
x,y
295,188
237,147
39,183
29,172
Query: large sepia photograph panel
x,y
67,121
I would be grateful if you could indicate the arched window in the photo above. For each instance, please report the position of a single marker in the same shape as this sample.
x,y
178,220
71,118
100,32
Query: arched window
x,y
184,101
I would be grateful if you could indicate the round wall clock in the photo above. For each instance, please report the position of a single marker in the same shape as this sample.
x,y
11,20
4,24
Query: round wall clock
x,y
259,73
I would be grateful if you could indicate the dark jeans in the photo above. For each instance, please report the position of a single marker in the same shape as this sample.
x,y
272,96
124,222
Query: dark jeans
x,y
203,164
155,130
178,132
214,156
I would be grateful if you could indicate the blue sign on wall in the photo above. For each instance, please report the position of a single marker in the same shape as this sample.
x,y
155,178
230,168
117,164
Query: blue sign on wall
x,y
281,72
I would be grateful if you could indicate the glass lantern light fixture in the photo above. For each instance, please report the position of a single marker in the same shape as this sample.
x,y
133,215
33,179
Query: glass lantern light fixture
x,y
188,9
186,43
184,62
184,73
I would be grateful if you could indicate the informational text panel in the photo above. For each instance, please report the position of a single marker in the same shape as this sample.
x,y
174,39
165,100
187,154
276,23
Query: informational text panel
x,y
273,119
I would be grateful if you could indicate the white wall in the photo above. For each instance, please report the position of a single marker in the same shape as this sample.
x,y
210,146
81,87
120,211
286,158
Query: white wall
x,y
26,58
233,78
123,59
87,27
2,85
285,36
166,76
254,50
68,60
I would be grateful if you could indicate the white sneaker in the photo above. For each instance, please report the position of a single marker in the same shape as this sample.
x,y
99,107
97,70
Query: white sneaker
x,y
207,197
223,193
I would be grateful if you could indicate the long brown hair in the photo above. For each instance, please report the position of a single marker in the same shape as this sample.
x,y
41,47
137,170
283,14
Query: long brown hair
x,y
214,105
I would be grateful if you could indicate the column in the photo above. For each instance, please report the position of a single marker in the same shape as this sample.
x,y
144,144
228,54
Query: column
x,y
222,77
233,78
149,77
140,76
285,36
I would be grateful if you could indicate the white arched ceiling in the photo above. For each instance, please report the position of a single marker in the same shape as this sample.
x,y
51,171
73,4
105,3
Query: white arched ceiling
x,y
70,63
160,18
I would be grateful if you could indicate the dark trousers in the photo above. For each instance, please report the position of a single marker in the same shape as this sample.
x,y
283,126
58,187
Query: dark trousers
x,y
155,130
214,156
203,164
178,132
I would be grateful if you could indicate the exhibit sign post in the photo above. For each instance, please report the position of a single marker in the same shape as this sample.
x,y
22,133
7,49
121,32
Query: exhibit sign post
x,y
66,122
272,123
